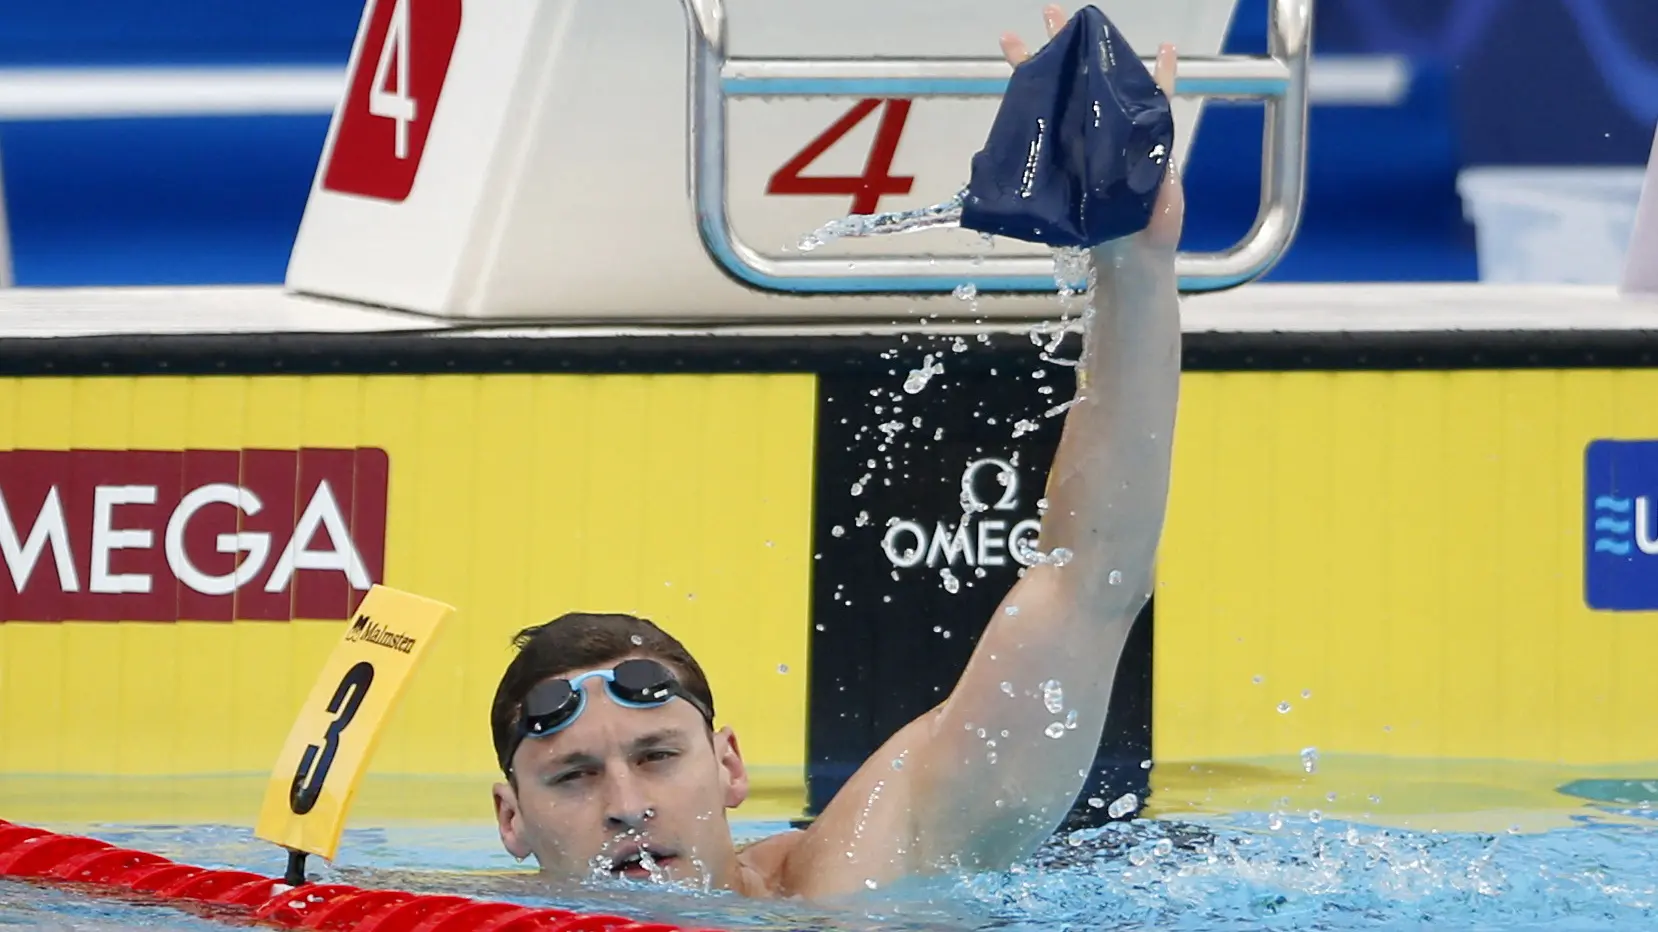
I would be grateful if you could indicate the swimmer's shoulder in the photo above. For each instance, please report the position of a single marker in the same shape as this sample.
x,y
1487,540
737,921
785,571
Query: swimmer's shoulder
x,y
766,861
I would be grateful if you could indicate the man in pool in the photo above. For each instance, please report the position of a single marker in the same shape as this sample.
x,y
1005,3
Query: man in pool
x,y
604,724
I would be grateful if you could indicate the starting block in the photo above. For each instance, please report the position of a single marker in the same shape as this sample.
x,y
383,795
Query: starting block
x,y
596,161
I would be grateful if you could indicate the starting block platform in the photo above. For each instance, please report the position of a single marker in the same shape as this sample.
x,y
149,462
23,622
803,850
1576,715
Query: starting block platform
x,y
661,160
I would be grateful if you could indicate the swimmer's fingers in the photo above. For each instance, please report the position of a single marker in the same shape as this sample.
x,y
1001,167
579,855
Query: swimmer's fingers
x,y
1014,48
1168,62
1054,17
1169,214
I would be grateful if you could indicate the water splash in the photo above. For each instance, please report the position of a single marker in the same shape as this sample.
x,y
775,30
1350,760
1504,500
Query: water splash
x,y
889,223
919,378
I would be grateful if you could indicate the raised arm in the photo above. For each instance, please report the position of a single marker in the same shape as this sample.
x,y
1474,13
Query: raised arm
x,y
984,778
1059,633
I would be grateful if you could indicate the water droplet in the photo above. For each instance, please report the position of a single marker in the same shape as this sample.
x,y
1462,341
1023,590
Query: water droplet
x,y
1096,802
869,881
897,763
1055,730
838,531
1011,610
1060,556
1163,848
1315,816
782,668
1053,697
1309,759
1306,694
990,757
918,378
967,291
1257,679
1275,822
1124,805
1145,765
637,640
862,519
1007,687
1283,707
1071,720
1115,578
951,583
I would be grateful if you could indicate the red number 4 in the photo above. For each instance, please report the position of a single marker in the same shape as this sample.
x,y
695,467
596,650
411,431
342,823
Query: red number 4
x,y
866,190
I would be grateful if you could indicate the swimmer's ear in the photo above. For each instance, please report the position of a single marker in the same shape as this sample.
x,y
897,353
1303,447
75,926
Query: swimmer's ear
x,y
509,821
733,772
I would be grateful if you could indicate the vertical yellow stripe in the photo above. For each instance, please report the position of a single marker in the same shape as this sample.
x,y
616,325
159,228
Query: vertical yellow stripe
x,y
1301,491
499,563
1524,722
1186,638
1473,572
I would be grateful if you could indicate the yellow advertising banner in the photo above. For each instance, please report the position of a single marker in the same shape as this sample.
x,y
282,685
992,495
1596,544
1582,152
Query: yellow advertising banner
x,y
1392,564
189,550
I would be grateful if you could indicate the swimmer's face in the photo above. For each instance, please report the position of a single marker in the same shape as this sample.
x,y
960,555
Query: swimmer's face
x,y
621,788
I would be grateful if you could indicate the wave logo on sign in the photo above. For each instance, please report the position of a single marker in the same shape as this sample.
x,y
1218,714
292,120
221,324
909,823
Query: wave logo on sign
x,y
987,534
1620,481
1613,525
204,535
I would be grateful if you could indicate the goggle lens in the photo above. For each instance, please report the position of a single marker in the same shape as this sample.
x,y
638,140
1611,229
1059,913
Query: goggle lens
x,y
642,681
549,705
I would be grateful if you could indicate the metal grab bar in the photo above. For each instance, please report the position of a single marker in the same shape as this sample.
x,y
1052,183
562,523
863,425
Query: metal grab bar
x,y
1280,79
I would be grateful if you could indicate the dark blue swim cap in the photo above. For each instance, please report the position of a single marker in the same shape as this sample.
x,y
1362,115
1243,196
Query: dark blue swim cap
x,y
1079,147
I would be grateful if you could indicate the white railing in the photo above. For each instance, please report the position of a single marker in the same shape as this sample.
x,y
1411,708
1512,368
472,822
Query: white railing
x,y
1280,80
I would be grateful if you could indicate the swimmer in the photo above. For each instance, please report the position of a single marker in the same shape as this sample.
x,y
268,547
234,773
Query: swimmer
x,y
604,724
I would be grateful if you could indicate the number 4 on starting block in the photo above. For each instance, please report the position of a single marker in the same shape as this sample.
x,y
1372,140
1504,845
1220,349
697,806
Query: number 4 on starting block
x,y
395,83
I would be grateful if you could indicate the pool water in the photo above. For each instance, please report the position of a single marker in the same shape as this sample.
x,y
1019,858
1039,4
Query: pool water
x,y
1384,849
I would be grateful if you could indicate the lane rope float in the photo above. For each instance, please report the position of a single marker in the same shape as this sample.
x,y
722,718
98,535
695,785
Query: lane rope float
x,y
35,855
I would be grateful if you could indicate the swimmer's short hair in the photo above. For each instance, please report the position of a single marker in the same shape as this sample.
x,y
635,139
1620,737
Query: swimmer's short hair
x,y
581,641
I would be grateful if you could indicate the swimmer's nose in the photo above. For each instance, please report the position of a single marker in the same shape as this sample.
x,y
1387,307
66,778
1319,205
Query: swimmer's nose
x,y
626,807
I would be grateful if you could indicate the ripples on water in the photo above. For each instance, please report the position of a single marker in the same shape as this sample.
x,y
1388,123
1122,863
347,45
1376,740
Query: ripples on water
x,y
1236,872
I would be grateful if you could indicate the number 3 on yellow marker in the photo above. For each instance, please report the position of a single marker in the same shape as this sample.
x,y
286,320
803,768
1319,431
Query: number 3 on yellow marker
x,y
316,775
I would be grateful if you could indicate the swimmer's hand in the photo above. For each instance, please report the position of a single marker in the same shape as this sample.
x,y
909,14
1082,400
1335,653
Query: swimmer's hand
x,y
1170,213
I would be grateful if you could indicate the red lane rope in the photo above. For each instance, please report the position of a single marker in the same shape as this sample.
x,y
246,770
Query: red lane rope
x,y
38,855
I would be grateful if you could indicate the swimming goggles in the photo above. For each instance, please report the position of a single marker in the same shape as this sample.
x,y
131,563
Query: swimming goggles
x,y
555,704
